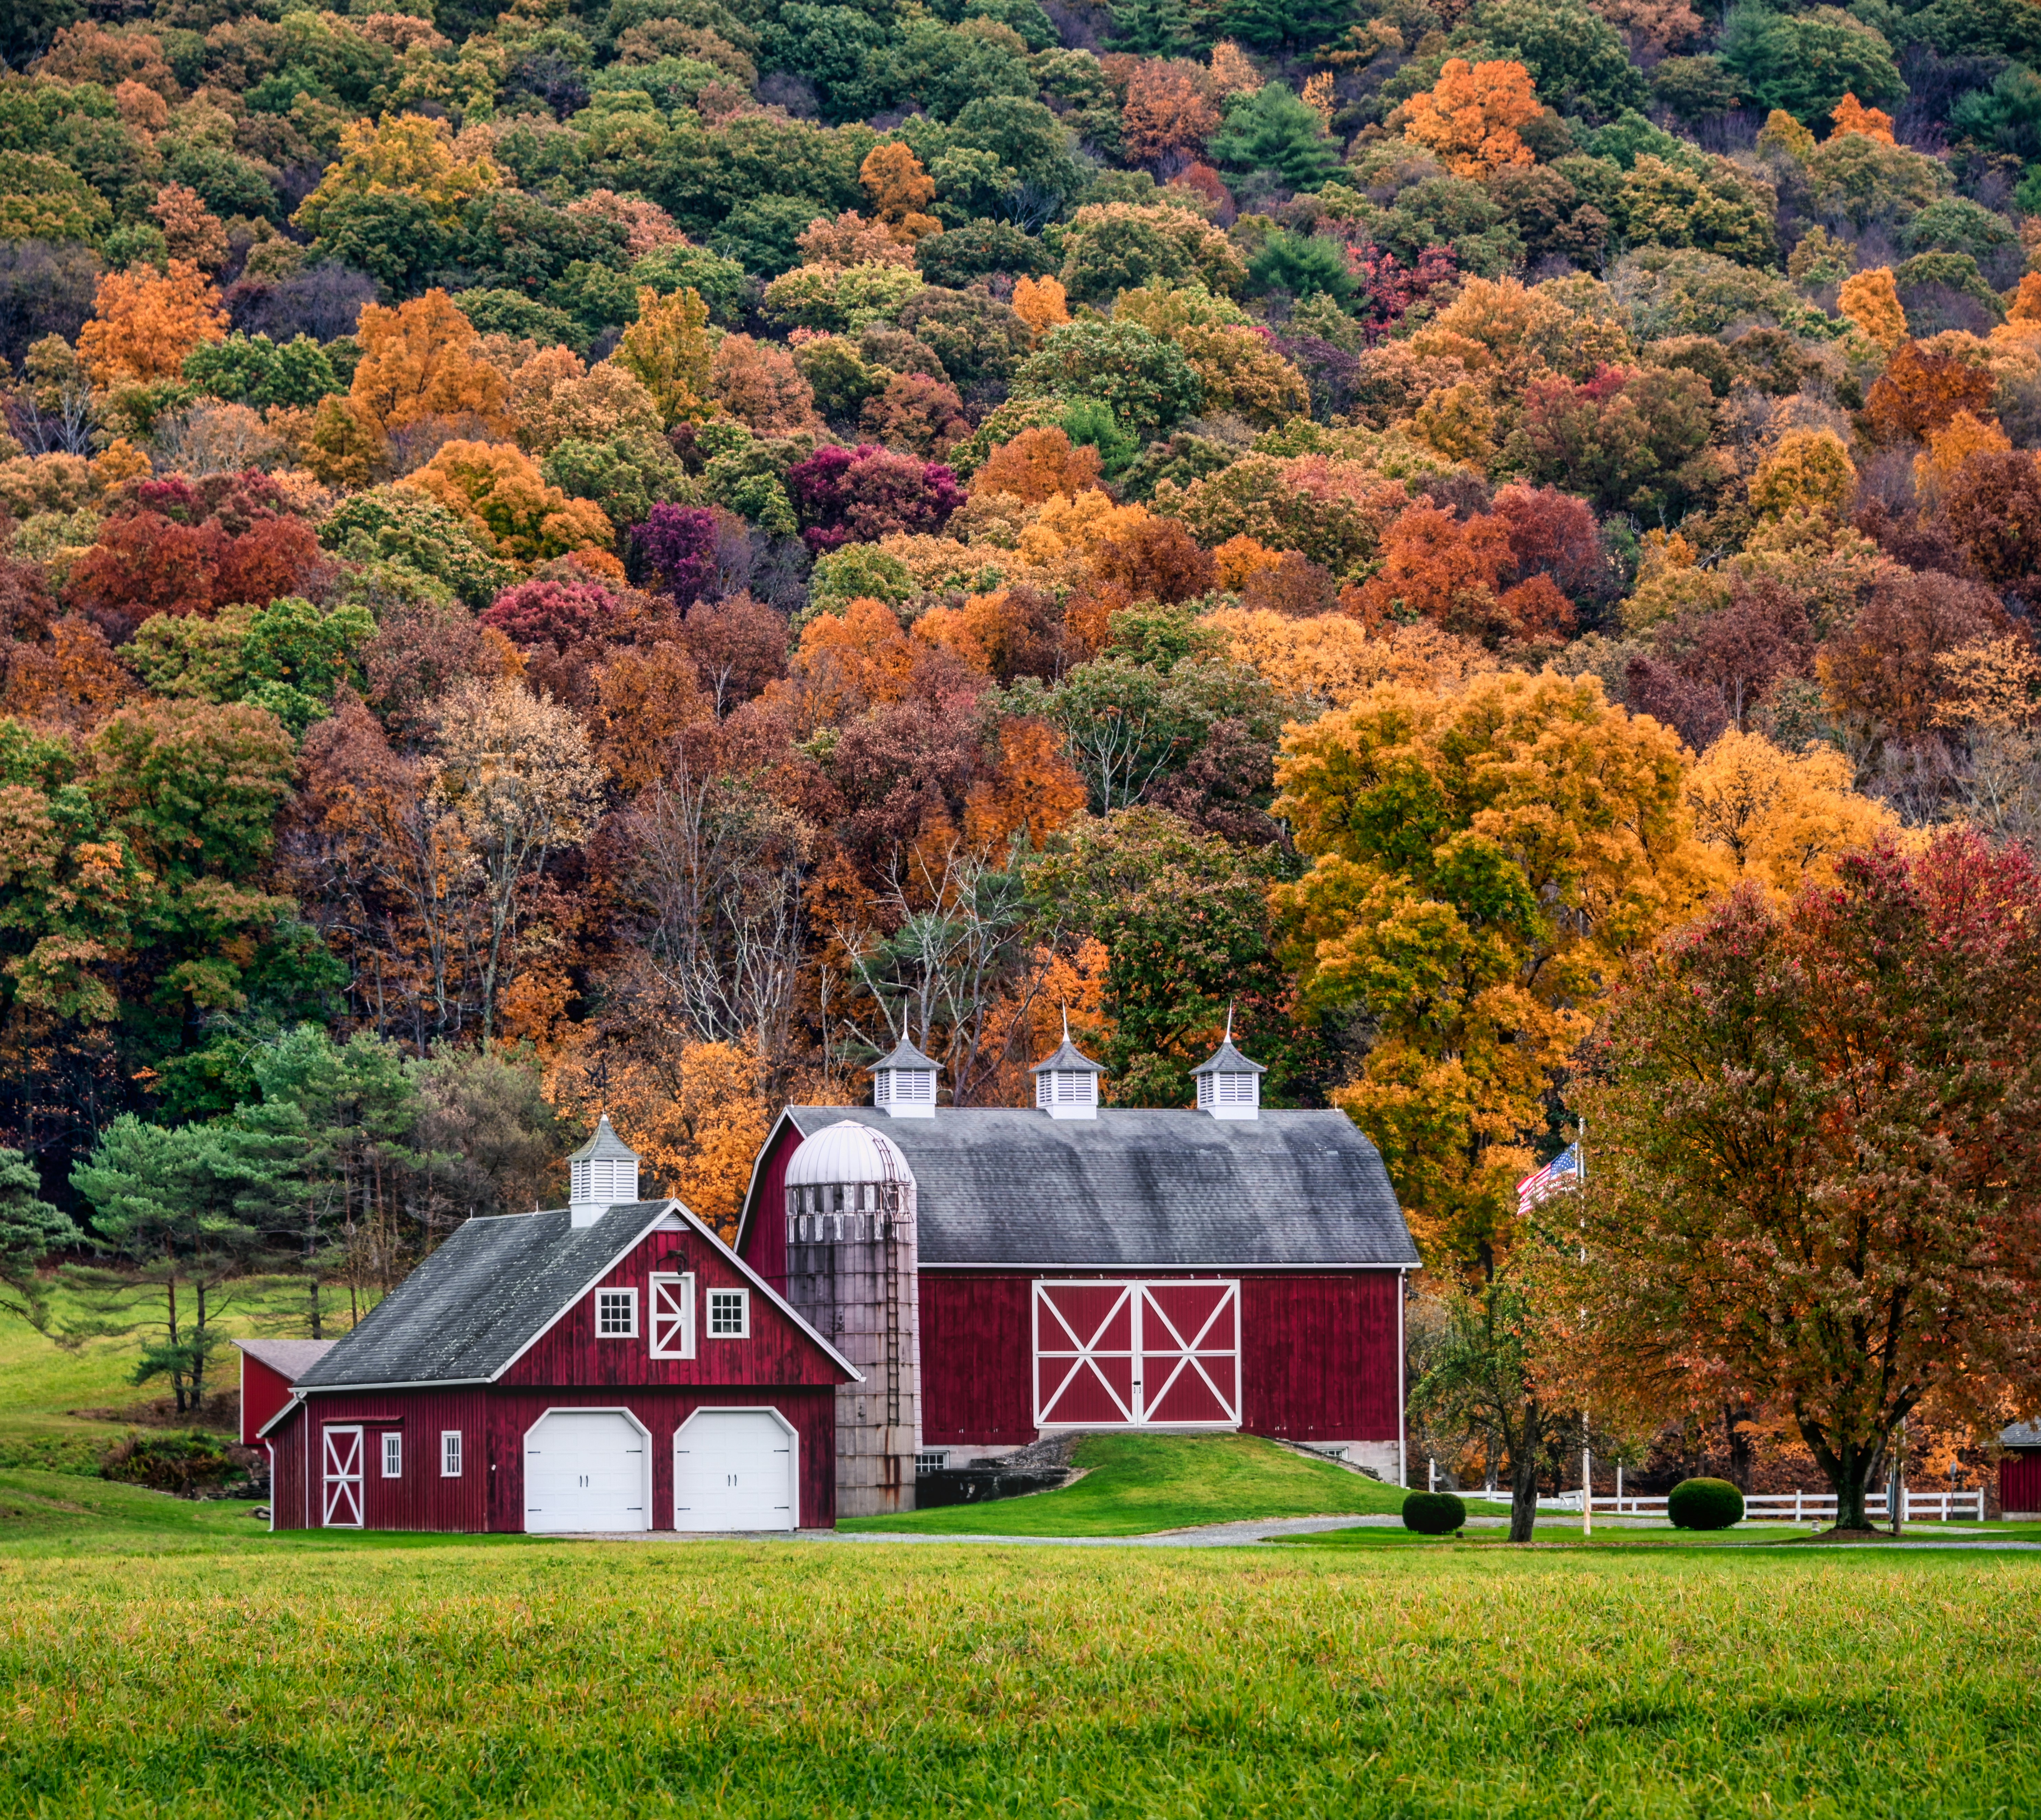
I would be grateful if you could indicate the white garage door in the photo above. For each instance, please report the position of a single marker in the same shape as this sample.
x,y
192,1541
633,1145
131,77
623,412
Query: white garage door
x,y
733,1469
584,1471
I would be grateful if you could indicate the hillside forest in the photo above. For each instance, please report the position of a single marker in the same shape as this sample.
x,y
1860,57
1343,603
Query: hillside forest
x,y
627,558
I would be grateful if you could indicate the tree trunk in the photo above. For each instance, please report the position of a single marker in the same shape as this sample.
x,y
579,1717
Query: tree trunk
x,y
1523,1464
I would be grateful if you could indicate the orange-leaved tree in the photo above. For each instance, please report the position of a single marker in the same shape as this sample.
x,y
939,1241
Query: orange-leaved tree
x,y
1852,116
144,323
498,491
1037,465
901,191
1468,119
1167,111
1921,390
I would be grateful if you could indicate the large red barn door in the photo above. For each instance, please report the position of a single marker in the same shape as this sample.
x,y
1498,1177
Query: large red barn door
x,y
342,1503
1131,1355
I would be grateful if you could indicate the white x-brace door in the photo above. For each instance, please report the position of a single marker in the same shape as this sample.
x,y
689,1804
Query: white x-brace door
x,y
1162,1353
342,1504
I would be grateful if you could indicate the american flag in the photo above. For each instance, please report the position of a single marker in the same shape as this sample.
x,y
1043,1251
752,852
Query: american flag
x,y
1563,1173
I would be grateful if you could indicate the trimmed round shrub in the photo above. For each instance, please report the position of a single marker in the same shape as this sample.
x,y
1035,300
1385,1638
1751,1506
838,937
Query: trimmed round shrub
x,y
1704,1504
1434,1513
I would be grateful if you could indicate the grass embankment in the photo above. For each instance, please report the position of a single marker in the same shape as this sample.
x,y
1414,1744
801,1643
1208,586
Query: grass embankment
x,y
1135,1485
41,1384
338,1678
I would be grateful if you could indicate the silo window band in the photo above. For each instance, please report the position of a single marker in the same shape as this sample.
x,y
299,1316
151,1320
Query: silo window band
x,y
729,1314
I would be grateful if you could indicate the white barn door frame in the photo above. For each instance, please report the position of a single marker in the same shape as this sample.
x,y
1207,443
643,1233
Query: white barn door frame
x,y
341,1506
700,1506
1161,1353
643,1509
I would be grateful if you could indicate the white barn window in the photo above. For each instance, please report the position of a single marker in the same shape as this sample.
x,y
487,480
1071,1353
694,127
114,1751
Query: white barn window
x,y
729,1314
449,1453
616,1313
393,1455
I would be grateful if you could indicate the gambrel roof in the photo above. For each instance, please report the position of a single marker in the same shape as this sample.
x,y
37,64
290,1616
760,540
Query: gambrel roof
x,y
1134,1189
473,1308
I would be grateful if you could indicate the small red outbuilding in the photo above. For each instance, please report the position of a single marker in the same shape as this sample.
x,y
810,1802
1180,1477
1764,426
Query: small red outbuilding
x,y
268,1369
609,1366
2019,1471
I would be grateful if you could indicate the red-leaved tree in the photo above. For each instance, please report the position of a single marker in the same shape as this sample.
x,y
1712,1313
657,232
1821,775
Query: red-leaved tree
x,y
1815,1134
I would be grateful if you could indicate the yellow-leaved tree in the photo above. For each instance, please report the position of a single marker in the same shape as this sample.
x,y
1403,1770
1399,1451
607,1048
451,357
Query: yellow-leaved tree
x,y
1780,817
1482,864
404,153
1870,300
669,351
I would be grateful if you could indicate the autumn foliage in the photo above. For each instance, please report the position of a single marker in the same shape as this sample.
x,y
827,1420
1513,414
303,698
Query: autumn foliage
x,y
1470,117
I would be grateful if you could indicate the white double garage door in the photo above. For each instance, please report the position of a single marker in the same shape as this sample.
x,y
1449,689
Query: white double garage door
x,y
588,1472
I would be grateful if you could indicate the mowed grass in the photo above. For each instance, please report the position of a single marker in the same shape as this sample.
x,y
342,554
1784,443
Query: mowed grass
x,y
1135,1484
227,1673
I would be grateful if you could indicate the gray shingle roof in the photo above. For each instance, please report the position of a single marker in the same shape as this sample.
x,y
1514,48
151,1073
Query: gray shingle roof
x,y
1138,1189
475,1303
2021,1434
289,1359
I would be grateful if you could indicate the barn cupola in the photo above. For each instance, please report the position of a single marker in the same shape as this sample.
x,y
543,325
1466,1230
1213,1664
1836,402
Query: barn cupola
x,y
903,1084
1067,1085
1229,1084
601,1174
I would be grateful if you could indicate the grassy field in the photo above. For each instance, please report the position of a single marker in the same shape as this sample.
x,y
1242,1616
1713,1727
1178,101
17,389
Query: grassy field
x,y
41,1384
159,1658
1135,1485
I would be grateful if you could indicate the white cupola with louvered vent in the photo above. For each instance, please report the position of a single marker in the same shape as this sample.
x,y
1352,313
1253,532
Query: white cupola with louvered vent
x,y
1229,1084
1067,1085
903,1084
601,1174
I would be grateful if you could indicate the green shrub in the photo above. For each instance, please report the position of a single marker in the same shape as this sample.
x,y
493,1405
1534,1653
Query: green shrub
x,y
1434,1514
1704,1504
187,1462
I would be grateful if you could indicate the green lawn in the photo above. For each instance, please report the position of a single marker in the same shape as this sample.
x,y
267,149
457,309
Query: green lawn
x,y
1136,1484
161,1658
40,1384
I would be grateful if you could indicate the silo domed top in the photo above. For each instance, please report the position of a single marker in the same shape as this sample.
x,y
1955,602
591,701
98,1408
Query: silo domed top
x,y
847,1152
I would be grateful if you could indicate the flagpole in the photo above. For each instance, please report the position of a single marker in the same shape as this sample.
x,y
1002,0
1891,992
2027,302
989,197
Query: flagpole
x,y
1587,1459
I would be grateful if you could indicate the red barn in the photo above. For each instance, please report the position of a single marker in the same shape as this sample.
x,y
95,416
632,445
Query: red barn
x,y
1008,1274
608,1366
2020,1472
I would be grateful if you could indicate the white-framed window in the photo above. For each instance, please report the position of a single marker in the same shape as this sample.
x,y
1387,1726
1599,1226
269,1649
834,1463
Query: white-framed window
x,y
729,1314
393,1454
449,1453
672,1306
616,1313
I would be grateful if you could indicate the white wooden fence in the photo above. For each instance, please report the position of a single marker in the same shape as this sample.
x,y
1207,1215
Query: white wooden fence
x,y
1811,1506
1777,1507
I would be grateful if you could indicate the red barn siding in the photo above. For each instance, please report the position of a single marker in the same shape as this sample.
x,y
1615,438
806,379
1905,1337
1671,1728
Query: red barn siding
x,y
263,1391
977,1358
2020,1482
777,1352
1318,1354
764,1240
489,1494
